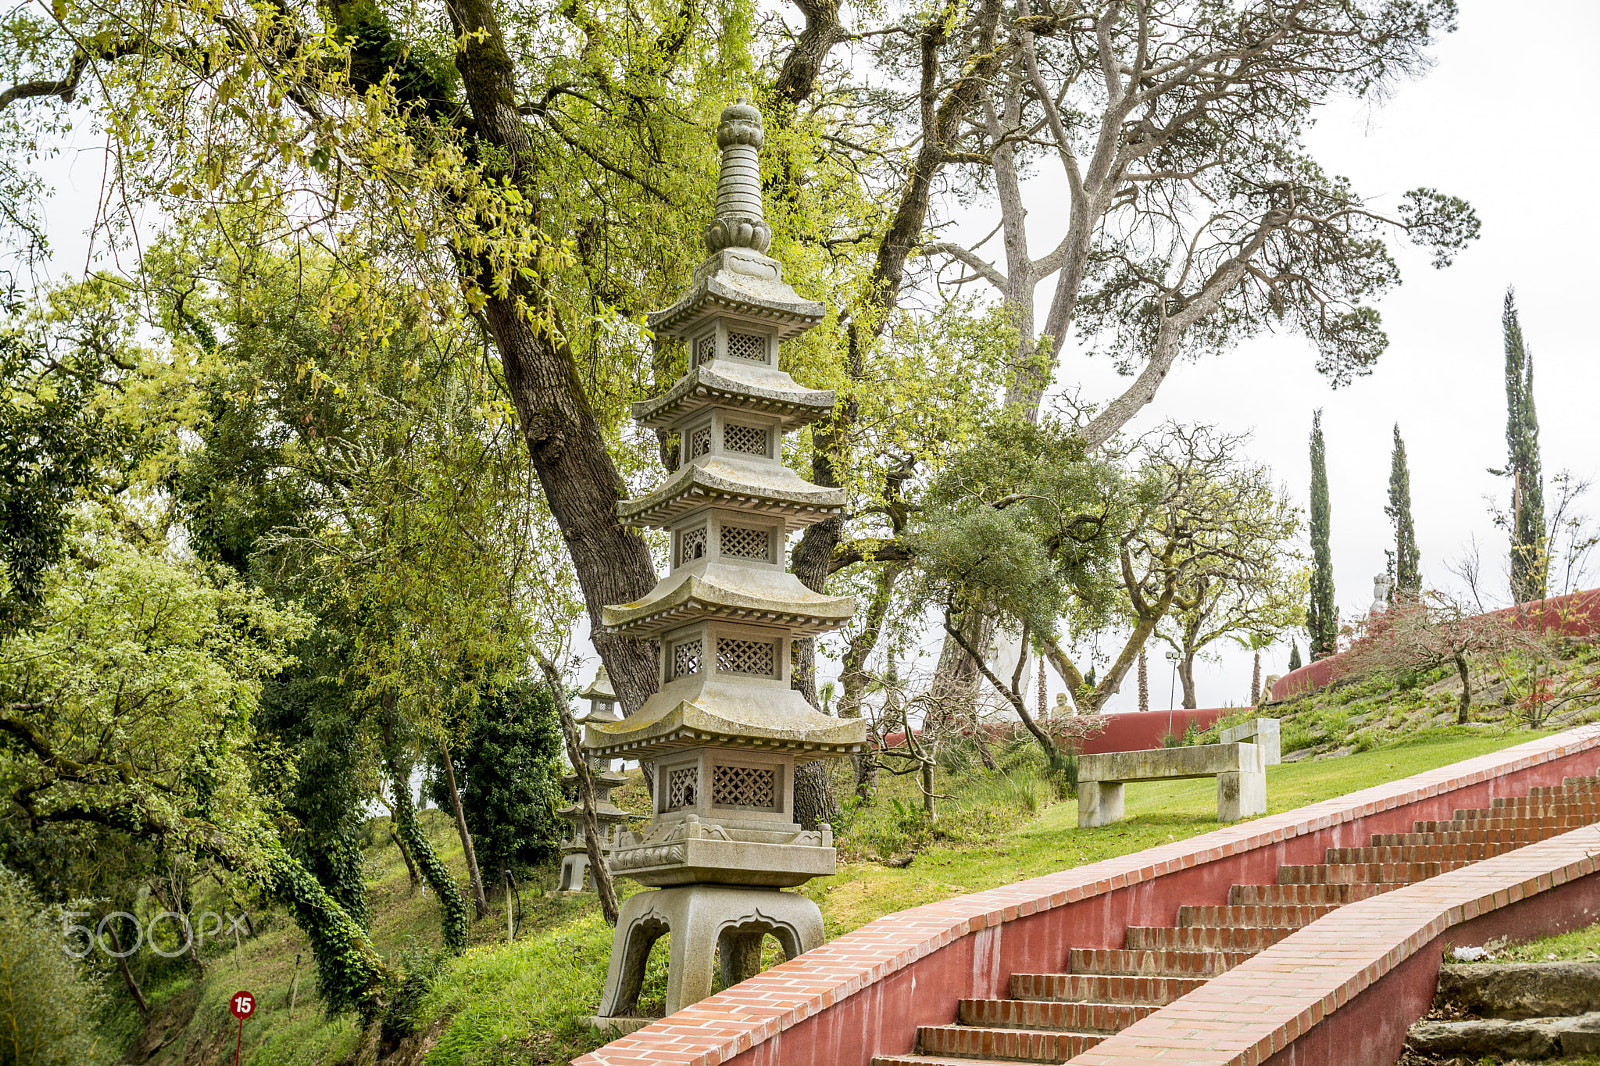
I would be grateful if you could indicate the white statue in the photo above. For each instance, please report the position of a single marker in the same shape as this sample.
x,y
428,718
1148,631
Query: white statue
x,y
1381,586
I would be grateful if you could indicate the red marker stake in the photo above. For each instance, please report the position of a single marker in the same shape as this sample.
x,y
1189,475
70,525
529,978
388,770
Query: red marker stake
x,y
242,1005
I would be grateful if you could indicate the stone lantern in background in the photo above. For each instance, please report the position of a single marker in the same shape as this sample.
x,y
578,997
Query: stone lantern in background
x,y
724,730
603,778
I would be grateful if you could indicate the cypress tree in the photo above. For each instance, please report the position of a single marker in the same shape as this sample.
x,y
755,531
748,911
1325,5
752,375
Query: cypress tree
x,y
1322,617
1294,657
1528,560
1404,560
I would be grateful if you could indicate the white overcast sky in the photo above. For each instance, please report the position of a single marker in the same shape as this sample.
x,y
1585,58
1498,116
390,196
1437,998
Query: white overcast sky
x,y
1506,119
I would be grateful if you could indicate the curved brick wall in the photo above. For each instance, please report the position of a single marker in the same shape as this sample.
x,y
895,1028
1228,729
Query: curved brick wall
x,y
868,991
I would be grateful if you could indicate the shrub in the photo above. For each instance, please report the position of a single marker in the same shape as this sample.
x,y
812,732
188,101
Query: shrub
x,y
45,1002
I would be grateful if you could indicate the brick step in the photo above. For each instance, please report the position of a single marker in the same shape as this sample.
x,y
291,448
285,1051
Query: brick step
x,y
1102,988
1458,853
1050,1014
1016,1045
1281,895
1570,786
1157,963
1536,798
1397,873
936,1060
1292,916
1203,937
1562,824
1585,808
1516,838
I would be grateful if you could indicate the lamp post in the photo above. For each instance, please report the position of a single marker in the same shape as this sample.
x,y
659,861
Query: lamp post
x,y
1172,689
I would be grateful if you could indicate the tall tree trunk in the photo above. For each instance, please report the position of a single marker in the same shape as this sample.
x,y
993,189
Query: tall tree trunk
x,y
127,972
1186,676
1144,680
593,841
559,426
1464,708
452,908
405,853
480,904
1255,682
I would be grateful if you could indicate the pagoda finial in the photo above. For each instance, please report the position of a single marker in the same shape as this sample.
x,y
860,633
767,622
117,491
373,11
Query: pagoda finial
x,y
738,223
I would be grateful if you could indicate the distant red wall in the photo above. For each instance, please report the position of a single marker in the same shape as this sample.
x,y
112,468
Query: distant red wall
x,y
1577,615
1125,731
1142,730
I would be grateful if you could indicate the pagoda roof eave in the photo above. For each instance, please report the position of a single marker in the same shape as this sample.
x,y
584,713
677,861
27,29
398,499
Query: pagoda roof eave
x,y
732,592
706,709
769,490
743,284
723,383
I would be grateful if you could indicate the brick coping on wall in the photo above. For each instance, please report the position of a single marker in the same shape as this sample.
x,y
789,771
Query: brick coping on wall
x,y
756,1010
1247,1014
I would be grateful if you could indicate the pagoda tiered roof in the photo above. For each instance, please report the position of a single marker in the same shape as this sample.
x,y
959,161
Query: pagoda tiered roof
x,y
708,708
731,592
753,487
735,383
738,283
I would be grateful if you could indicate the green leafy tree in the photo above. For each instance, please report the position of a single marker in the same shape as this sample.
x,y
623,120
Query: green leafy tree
x,y
509,768
1525,519
1322,617
1295,662
56,445
129,706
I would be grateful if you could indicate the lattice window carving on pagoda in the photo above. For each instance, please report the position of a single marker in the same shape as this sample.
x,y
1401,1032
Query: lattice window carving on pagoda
x,y
744,786
691,545
686,658
759,658
748,346
705,349
742,542
749,440
700,442
682,784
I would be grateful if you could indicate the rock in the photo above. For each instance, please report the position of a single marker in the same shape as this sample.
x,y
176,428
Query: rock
x,y
1523,1040
1520,990
1539,1038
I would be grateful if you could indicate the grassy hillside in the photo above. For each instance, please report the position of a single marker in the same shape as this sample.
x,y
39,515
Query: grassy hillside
x,y
524,1002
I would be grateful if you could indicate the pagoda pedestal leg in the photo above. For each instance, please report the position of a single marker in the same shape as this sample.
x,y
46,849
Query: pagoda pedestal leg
x,y
702,919
573,868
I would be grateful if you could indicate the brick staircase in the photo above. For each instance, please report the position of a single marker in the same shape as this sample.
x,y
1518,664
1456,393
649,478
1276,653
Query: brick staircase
x,y
1051,1017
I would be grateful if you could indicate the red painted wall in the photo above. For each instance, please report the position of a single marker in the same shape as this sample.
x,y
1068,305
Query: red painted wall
x,y
1142,730
1577,615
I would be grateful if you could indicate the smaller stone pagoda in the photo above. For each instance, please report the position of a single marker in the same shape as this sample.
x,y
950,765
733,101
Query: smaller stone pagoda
x,y
603,778
724,730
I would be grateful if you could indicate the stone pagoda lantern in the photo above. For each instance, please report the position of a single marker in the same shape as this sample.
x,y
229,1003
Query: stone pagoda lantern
x,y
603,778
724,731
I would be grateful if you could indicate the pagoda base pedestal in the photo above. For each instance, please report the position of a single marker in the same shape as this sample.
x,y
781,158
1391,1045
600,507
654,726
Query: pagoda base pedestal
x,y
574,867
703,919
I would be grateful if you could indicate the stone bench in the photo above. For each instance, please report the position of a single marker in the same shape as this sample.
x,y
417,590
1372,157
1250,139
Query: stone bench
x,y
1239,768
1262,732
